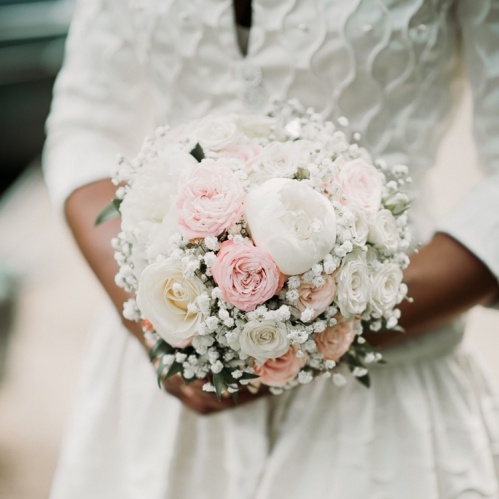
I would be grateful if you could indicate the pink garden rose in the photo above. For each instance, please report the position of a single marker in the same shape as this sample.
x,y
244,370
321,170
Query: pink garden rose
x,y
318,298
210,200
247,154
278,372
333,342
246,275
360,184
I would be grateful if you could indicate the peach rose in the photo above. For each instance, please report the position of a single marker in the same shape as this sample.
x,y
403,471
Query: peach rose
x,y
318,298
247,154
246,275
210,200
278,372
333,342
360,184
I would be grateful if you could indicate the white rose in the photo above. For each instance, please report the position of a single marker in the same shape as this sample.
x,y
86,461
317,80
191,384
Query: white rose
x,y
305,151
264,340
149,197
292,222
385,288
279,159
383,231
360,184
217,132
165,304
360,227
255,125
354,286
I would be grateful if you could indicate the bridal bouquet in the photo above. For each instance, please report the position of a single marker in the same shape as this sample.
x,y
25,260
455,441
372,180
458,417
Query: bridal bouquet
x,y
259,247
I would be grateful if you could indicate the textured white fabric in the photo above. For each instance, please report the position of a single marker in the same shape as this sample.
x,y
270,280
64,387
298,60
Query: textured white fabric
x,y
428,428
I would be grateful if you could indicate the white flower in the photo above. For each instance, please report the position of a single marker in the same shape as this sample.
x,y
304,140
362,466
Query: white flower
x,y
217,132
130,310
255,125
305,377
339,379
383,231
354,287
385,287
279,159
304,151
292,222
266,339
360,226
165,306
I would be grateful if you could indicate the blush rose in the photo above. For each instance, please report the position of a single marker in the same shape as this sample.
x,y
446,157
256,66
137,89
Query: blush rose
x,y
278,372
210,200
333,342
318,298
246,275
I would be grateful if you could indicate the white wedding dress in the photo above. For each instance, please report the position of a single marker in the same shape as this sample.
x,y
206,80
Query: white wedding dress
x,y
428,427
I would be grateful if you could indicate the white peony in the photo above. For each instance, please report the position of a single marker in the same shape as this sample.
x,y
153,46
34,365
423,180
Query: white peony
x,y
386,283
279,159
292,222
217,132
353,285
383,231
164,296
266,339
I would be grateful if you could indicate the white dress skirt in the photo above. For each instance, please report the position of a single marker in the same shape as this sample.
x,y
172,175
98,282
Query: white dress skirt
x,y
428,428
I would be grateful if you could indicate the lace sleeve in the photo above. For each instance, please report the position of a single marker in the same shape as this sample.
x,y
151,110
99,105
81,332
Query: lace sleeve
x,y
101,104
475,220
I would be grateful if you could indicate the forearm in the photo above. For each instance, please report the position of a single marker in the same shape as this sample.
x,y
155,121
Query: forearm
x,y
82,208
444,280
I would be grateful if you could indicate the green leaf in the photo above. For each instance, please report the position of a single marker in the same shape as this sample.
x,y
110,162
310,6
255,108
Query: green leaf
x,y
175,368
159,371
365,380
235,397
198,152
218,382
159,348
249,376
109,212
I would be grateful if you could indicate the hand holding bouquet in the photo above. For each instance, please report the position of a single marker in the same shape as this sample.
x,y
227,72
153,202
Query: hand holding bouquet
x,y
259,247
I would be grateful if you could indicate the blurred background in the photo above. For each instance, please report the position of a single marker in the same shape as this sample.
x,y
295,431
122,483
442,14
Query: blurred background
x,y
48,297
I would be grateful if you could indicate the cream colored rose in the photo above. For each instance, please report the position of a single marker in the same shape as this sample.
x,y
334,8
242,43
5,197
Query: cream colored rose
x,y
353,285
383,231
164,296
386,287
217,132
266,339
255,125
292,222
360,227
279,159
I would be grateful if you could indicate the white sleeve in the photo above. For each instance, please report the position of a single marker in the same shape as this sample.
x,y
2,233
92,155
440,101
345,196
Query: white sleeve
x,y
475,220
101,104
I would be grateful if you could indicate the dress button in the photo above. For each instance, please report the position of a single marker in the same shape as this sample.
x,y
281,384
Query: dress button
x,y
302,27
367,28
422,28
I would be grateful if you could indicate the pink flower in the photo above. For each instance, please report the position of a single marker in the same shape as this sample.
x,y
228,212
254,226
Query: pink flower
x,y
247,275
360,184
277,372
210,200
247,154
333,342
318,298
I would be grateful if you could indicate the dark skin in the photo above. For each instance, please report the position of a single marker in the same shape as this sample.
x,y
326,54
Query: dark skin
x,y
444,280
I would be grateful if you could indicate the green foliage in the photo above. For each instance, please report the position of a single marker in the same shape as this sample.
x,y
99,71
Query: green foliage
x,y
198,152
109,212
218,382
